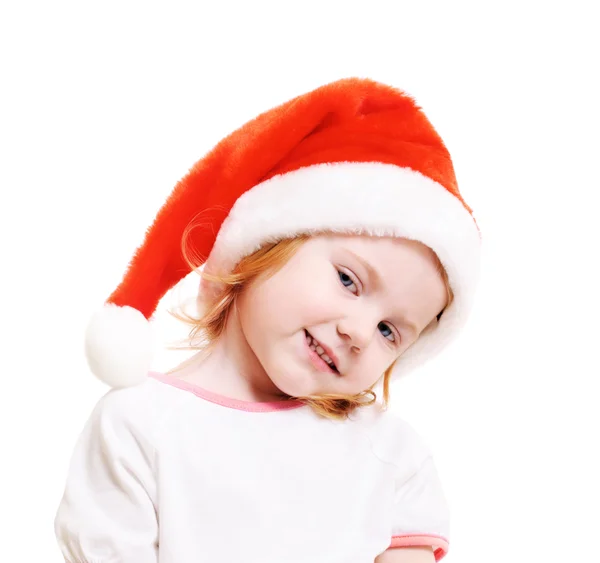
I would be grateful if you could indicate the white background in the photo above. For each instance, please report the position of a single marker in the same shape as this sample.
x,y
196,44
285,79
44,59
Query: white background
x,y
105,105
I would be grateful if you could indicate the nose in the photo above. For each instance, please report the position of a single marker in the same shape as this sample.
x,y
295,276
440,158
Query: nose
x,y
357,332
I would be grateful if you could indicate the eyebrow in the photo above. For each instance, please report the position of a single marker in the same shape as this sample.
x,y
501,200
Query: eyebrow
x,y
376,281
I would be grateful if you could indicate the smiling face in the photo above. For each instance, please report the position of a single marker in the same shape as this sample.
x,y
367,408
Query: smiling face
x,y
361,300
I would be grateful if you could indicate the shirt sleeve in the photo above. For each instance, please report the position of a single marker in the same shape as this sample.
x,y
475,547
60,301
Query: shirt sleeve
x,y
108,509
421,514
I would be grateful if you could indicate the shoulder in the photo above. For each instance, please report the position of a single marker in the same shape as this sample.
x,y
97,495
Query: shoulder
x,y
393,440
128,402
137,410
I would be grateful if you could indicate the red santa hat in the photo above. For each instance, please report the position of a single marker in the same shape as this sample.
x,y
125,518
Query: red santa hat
x,y
354,156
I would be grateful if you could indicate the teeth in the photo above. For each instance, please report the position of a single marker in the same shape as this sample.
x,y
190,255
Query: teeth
x,y
313,345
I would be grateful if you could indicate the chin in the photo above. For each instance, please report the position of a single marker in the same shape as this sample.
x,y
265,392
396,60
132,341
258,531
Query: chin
x,y
293,390
294,385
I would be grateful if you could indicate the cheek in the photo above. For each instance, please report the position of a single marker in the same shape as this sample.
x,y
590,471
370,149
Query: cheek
x,y
296,295
370,368
271,308
255,312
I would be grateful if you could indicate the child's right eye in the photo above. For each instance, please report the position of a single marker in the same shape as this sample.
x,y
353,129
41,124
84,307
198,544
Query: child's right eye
x,y
347,281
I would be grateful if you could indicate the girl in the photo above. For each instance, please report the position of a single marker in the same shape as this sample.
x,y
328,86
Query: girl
x,y
336,254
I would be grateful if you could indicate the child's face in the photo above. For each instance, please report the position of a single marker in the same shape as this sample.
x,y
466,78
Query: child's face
x,y
326,289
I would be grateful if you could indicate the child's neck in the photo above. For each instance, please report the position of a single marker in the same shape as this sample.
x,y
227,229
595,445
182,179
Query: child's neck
x,y
231,369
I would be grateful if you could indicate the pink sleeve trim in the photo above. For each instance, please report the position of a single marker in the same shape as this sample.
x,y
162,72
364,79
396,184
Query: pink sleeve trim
x,y
438,543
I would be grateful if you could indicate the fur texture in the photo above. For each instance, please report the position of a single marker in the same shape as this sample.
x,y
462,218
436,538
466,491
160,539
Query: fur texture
x,y
118,346
351,156
362,198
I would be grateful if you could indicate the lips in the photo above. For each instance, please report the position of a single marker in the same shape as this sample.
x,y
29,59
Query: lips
x,y
326,357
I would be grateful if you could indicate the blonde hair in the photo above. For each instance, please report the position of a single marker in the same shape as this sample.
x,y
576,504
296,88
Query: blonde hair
x,y
267,261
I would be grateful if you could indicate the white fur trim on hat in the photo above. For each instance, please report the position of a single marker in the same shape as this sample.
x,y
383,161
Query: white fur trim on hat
x,y
118,346
362,198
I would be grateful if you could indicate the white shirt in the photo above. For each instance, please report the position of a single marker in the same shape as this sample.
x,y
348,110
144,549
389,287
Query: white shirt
x,y
168,472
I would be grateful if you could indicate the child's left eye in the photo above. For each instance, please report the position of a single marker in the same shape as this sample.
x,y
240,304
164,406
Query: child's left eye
x,y
386,331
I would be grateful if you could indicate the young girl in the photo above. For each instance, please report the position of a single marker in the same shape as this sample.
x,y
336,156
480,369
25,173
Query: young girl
x,y
337,254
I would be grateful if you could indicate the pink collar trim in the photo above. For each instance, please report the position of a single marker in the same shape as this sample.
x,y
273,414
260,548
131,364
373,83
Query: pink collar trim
x,y
225,401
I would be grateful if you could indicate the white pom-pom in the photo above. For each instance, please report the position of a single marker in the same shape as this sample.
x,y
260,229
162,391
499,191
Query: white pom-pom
x,y
118,346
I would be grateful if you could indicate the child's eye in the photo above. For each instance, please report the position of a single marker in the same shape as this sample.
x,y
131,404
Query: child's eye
x,y
384,328
387,332
347,281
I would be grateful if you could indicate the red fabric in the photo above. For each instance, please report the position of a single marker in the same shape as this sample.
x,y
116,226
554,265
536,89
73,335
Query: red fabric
x,y
351,120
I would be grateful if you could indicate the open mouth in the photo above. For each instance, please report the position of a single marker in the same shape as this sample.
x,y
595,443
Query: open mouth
x,y
314,345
